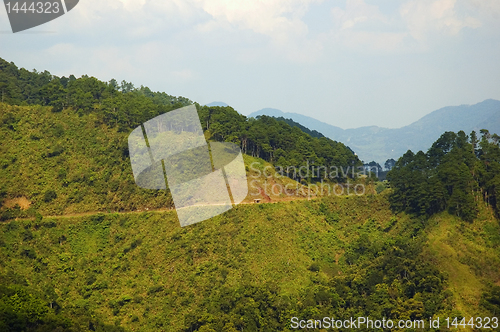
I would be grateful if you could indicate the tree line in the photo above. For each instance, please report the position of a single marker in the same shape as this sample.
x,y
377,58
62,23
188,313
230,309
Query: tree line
x,y
124,106
274,140
455,173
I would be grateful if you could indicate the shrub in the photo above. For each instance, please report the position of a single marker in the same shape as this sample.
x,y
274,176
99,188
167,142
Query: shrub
x,y
314,267
49,196
155,289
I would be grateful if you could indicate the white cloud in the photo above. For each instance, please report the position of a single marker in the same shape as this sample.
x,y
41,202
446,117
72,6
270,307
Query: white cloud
x,y
418,23
272,18
426,18
279,21
133,5
260,31
363,27
357,11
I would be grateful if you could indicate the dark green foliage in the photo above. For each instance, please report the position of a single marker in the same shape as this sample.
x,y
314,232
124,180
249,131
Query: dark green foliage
x,y
314,267
291,123
155,289
389,164
16,212
49,196
276,141
123,106
450,176
23,310
491,300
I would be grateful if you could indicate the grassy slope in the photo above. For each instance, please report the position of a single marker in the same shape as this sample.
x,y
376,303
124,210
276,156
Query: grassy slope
x,y
470,255
144,272
85,163
113,257
80,159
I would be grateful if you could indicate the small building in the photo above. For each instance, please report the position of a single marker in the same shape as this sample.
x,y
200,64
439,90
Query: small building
x,y
257,200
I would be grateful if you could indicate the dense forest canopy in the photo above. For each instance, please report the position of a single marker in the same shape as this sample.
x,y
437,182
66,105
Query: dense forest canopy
x,y
313,133
456,172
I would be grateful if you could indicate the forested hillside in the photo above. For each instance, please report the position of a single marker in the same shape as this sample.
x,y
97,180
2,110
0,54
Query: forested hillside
x,y
66,151
427,246
251,269
125,107
292,123
455,174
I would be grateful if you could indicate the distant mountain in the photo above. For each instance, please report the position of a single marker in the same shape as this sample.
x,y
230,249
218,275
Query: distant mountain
x,y
217,103
379,144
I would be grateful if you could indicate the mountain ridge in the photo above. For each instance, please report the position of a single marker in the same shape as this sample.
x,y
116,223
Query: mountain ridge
x,y
379,143
217,103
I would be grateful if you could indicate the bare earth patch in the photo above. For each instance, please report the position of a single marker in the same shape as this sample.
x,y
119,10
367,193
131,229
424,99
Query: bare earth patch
x,y
23,202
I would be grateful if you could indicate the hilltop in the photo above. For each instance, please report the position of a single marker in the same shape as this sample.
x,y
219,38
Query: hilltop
x,y
65,150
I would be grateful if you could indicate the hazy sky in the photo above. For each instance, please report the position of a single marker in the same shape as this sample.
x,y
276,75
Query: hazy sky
x,y
348,63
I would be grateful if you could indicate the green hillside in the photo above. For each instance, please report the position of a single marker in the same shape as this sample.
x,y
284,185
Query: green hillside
x,y
252,268
66,163
71,154
124,107
83,248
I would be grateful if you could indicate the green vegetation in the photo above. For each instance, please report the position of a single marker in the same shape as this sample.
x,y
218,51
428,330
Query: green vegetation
x,y
426,244
126,107
274,140
453,175
252,268
70,155
469,254
63,163
312,133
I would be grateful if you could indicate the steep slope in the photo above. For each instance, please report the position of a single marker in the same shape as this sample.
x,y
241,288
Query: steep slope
x,y
55,163
469,254
252,268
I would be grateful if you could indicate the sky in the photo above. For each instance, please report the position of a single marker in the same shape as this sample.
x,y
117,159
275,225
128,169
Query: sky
x,y
349,63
